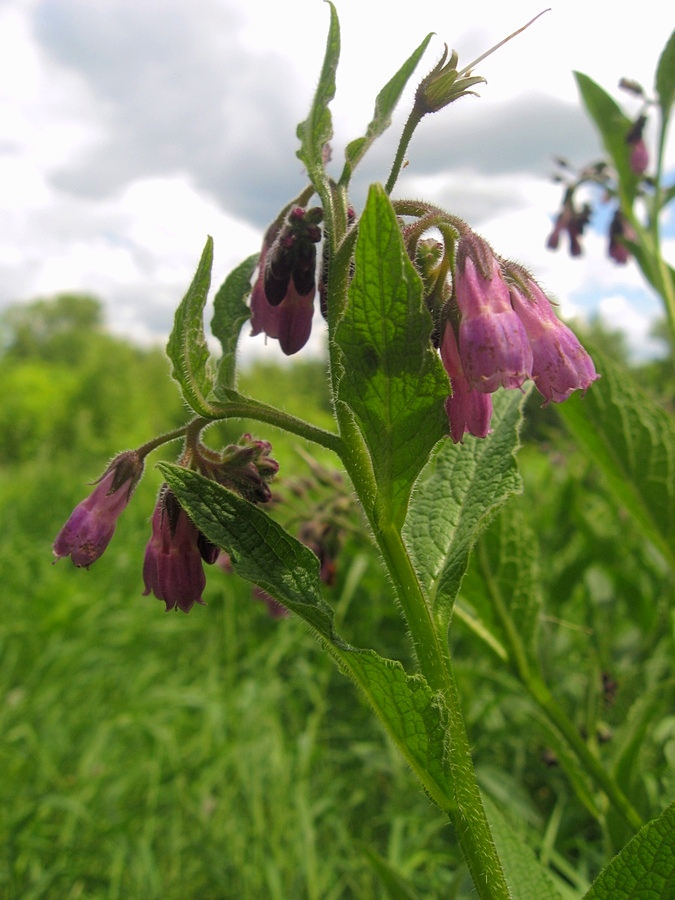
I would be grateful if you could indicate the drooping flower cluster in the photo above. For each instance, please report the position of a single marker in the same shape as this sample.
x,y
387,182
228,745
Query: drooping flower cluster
x,y
499,330
282,299
173,564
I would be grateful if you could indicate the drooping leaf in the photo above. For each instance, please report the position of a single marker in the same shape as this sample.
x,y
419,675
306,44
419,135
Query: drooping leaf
x,y
385,104
317,129
187,348
632,440
454,499
526,877
393,380
505,591
665,80
613,127
229,314
645,868
263,553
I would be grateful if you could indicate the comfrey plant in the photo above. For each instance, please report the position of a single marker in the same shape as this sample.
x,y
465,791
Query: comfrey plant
x,y
434,341
629,185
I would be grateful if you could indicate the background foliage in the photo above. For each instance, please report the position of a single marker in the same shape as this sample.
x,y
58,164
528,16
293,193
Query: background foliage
x,y
222,754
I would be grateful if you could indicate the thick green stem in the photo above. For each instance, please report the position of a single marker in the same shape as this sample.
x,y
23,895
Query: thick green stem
x,y
465,807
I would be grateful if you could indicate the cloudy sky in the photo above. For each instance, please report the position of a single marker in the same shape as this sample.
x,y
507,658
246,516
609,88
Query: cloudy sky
x,y
131,129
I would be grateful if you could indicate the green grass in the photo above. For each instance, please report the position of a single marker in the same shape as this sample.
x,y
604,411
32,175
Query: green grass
x,y
146,754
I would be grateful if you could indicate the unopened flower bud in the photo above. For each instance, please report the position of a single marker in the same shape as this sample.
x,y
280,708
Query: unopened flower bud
x,y
639,155
92,523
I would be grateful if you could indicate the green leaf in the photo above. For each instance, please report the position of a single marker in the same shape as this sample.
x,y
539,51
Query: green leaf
x,y
317,129
632,440
507,579
665,80
393,884
645,868
229,314
454,499
263,553
613,126
526,877
187,348
393,380
385,104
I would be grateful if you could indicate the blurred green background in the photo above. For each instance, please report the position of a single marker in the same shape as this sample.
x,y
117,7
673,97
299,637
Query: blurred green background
x,y
221,754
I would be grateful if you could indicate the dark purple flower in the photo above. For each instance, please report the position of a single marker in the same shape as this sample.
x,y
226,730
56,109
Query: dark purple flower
x,y
639,155
468,410
570,220
620,231
172,568
560,364
282,299
92,523
493,346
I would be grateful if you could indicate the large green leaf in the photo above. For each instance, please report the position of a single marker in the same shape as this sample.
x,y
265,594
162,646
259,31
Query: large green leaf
x,y
645,868
665,80
632,440
263,553
393,380
525,875
317,129
187,348
455,498
229,314
503,587
613,126
385,104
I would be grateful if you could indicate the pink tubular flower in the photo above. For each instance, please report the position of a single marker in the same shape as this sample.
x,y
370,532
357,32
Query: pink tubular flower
x,y
91,525
172,568
493,345
560,364
468,410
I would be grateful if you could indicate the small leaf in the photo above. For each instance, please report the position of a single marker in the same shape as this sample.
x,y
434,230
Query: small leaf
x,y
613,126
526,877
632,440
455,498
317,129
645,868
187,348
385,104
263,553
393,379
229,314
665,80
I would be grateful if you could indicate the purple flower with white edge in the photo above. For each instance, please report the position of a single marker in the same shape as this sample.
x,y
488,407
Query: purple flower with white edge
x,y
468,410
560,364
172,568
92,523
493,346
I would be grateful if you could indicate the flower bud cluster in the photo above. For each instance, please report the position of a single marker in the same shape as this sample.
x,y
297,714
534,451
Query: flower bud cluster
x,y
282,299
172,567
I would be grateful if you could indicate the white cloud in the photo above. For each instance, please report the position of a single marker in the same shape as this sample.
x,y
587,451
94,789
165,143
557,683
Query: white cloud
x,y
130,131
